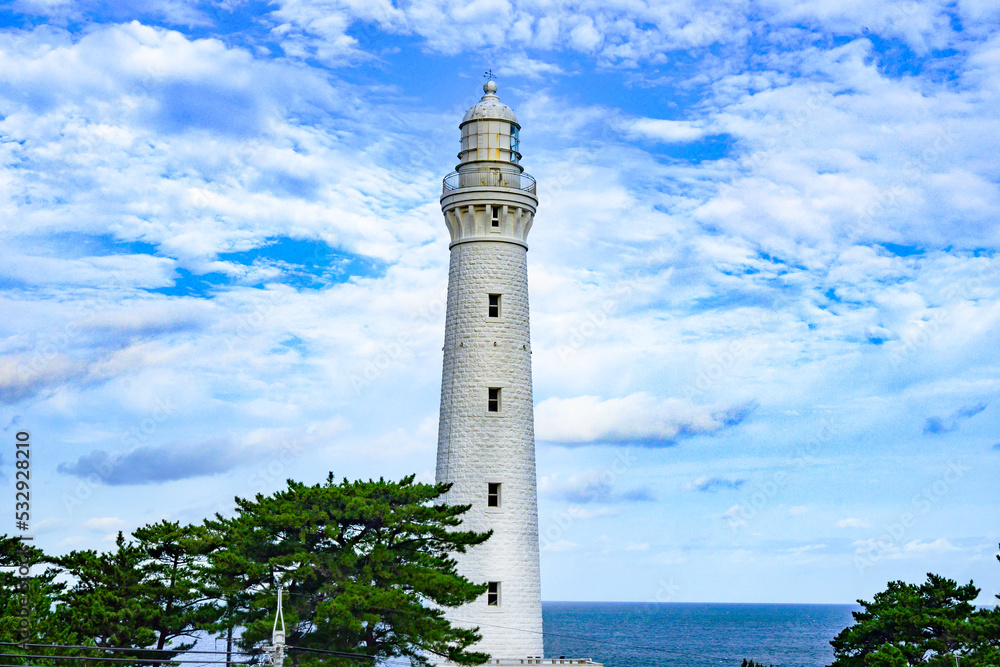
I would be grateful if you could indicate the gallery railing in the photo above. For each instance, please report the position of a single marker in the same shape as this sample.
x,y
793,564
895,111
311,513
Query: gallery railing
x,y
493,178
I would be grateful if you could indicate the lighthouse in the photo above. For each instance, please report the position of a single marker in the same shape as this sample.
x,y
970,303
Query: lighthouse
x,y
486,437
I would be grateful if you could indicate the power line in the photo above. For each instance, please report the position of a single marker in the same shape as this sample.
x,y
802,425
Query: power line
x,y
342,654
47,657
133,660
115,648
105,659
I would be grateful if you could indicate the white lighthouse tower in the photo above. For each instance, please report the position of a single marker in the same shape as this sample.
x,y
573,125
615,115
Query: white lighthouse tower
x,y
486,438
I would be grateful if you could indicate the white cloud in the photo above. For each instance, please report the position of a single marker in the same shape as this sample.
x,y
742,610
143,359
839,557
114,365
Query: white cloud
x,y
762,269
853,522
940,545
710,484
523,67
594,486
25,375
578,512
733,512
921,25
48,525
339,32
584,36
667,131
176,12
560,545
638,419
886,548
102,524
672,557
805,548
108,96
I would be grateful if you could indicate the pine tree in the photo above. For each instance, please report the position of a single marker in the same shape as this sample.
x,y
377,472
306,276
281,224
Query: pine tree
x,y
236,582
108,603
909,624
175,586
27,604
367,566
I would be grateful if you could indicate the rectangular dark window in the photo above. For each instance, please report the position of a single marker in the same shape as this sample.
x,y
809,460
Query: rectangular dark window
x,y
494,305
493,594
495,220
493,403
493,494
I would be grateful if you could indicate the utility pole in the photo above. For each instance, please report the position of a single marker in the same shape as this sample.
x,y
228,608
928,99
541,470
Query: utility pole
x,y
277,649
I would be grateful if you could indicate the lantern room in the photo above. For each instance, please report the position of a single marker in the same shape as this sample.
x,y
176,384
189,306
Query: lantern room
x,y
490,133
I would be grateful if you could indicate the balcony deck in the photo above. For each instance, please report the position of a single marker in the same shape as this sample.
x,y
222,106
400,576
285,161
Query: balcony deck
x,y
488,178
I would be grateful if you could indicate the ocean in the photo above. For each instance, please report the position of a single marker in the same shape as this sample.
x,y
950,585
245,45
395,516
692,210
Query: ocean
x,y
673,634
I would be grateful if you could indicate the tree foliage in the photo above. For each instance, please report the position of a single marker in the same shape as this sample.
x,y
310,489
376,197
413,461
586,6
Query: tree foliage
x,y
176,589
27,611
368,567
124,599
926,624
232,582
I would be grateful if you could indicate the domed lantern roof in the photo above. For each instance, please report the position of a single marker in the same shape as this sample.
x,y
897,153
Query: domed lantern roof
x,y
490,107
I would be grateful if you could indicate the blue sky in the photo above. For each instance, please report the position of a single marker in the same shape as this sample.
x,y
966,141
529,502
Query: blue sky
x,y
764,277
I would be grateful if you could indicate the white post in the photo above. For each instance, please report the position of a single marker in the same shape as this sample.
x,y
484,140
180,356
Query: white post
x,y
277,649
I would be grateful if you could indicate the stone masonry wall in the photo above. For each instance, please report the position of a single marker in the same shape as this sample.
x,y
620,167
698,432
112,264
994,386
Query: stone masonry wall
x,y
476,447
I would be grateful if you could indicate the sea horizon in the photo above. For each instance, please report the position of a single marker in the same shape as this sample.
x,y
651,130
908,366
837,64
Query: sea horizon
x,y
694,634
850,604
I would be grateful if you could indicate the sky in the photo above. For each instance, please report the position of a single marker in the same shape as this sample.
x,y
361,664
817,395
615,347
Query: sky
x,y
764,277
